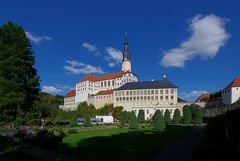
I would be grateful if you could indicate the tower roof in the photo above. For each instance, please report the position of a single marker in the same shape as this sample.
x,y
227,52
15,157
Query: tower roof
x,y
126,53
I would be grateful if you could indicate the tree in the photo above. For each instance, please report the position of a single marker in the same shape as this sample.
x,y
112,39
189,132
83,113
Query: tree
x,y
124,118
197,114
141,116
158,121
117,111
105,110
167,117
74,121
19,82
85,110
176,117
187,115
87,122
133,122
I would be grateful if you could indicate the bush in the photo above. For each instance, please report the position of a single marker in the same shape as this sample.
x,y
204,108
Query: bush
x,y
87,122
74,122
167,117
124,118
197,113
187,115
72,131
46,139
176,117
141,116
133,123
158,121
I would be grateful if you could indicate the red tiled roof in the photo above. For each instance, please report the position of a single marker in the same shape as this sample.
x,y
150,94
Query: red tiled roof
x,y
104,92
202,96
234,83
71,93
103,77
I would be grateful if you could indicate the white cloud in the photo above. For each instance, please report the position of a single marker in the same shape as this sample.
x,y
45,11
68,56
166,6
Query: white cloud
x,y
51,90
91,48
114,56
208,35
37,39
75,67
193,94
111,64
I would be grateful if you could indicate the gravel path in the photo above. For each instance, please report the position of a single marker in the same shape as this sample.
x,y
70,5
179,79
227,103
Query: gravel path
x,y
180,150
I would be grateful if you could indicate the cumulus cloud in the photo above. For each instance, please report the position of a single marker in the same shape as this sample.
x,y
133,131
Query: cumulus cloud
x,y
193,94
75,67
37,39
51,90
91,48
114,56
208,35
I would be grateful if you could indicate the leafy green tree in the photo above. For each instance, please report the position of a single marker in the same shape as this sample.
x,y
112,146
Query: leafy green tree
x,y
117,111
133,122
176,117
197,114
19,82
187,115
105,110
87,122
124,118
85,110
141,116
167,117
74,121
158,121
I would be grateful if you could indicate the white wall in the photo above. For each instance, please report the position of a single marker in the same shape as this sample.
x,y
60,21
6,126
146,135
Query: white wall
x,y
235,94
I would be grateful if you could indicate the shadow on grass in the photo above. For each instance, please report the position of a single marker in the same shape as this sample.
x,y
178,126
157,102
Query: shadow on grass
x,y
132,146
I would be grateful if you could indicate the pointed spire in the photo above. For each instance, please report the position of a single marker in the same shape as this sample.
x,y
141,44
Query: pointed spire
x,y
126,53
126,39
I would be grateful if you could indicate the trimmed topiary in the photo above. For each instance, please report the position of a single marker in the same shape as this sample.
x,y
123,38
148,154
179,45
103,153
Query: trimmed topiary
x,y
133,122
176,117
141,116
187,115
124,118
158,121
87,122
167,117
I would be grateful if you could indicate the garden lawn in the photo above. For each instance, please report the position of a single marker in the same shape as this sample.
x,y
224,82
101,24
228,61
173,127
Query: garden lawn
x,y
120,144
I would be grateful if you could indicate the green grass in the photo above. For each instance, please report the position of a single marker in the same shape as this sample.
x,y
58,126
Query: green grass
x,y
117,144
4,132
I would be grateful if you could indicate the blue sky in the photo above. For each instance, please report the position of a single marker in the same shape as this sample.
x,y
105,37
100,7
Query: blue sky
x,y
195,43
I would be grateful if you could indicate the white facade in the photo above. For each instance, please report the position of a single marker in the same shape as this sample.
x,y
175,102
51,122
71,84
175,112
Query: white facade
x,y
105,119
126,65
230,95
100,100
69,103
86,88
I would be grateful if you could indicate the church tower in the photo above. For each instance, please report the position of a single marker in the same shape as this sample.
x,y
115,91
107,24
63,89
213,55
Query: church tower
x,y
126,62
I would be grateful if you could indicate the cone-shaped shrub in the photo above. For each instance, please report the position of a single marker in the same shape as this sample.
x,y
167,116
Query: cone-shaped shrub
x,y
158,121
187,115
87,122
133,122
167,117
124,118
176,117
141,116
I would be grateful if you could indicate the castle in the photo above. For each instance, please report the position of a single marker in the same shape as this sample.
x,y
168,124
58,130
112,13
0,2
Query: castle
x,y
123,89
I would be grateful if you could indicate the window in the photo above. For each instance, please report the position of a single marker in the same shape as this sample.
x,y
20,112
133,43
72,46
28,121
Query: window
x,y
109,83
148,91
172,97
166,97
156,91
137,92
152,98
156,97
172,91
152,92
123,93
161,97
161,91
113,83
127,93
145,92
105,84
130,92
141,92
147,111
166,91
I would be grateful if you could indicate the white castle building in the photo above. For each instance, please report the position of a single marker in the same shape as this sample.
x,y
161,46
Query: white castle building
x,y
231,93
123,89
